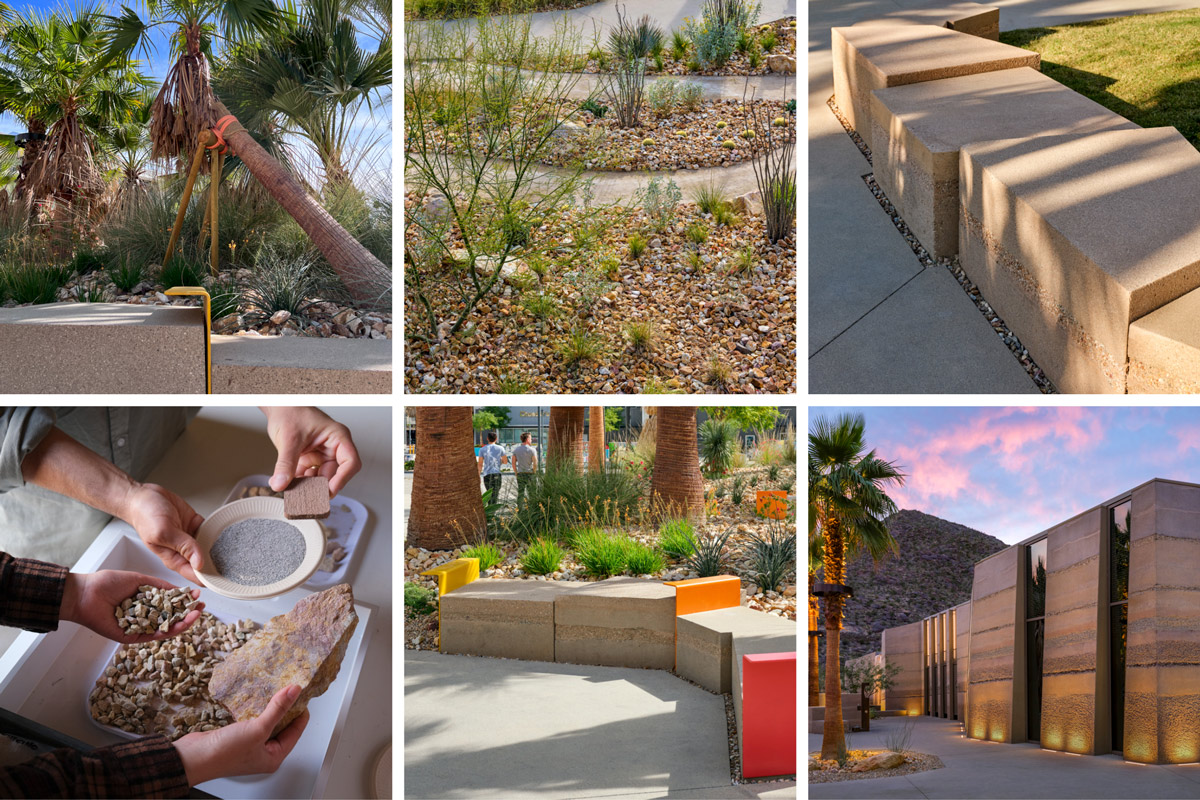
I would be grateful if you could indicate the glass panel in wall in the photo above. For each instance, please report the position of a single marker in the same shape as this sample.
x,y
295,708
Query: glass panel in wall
x,y
1035,632
1035,595
1118,576
1117,623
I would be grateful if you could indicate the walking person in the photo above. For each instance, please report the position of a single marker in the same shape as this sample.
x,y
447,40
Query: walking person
x,y
491,458
525,465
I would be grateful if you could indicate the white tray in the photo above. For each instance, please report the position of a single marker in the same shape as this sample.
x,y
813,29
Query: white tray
x,y
346,522
47,677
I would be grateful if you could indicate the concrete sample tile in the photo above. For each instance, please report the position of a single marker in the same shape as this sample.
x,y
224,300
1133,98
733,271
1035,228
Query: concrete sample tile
x,y
307,498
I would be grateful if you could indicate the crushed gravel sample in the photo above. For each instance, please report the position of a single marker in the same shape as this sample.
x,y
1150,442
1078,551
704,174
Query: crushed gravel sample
x,y
258,552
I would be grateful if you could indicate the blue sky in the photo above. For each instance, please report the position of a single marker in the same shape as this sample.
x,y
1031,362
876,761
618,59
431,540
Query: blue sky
x,y
373,125
1013,472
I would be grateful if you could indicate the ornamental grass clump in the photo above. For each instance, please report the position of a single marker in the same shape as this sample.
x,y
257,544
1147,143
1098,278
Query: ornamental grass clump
x,y
30,282
128,274
489,555
601,553
561,500
641,335
643,560
281,283
182,271
677,538
542,557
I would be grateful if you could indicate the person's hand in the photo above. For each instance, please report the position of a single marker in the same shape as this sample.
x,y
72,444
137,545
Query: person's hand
x,y
243,748
91,599
168,525
310,443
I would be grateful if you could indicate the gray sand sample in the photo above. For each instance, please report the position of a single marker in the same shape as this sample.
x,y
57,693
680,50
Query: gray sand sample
x,y
257,552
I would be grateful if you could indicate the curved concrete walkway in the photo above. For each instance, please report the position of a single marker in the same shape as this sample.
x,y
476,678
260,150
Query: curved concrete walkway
x,y
715,87
499,729
986,770
878,320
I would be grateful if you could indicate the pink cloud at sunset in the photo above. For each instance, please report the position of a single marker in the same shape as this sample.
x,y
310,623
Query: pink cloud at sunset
x,y
1013,472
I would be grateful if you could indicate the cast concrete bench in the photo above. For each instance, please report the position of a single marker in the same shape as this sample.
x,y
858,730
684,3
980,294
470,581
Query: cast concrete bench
x,y
501,618
704,642
870,57
102,348
1073,238
919,130
618,622
970,18
1164,349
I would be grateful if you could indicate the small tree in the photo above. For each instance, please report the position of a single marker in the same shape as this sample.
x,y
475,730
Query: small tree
x,y
864,674
484,420
773,169
627,83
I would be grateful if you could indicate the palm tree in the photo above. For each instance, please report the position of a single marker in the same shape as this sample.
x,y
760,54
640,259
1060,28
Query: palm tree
x,y
186,107
847,506
51,76
312,75
447,506
676,486
596,439
565,448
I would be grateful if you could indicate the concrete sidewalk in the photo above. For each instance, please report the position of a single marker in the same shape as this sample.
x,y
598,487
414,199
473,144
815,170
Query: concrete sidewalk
x,y
879,321
497,729
981,770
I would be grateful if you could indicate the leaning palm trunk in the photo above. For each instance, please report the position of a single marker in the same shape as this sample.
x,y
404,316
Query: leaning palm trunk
x,y
833,739
364,275
565,448
596,439
447,506
676,486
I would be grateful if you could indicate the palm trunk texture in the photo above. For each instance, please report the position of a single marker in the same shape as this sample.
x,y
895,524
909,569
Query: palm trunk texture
x,y
365,276
596,439
447,506
565,447
676,486
833,740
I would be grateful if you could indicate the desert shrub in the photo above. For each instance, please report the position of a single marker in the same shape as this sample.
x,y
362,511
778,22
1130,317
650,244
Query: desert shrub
x,y
489,555
744,41
542,557
281,284
677,538
754,57
697,233
716,34
768,40
643,560
128,274
641,335
636,40
773,555
679,45
708,555
602,553
787,483
718,441
627,81
182,271
659,200
690,94
637,245
561,499
30,282
419,599
737,490
773,473
580,345
660,96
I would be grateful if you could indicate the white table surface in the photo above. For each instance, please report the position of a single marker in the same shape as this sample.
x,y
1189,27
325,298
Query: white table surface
x,y
224,444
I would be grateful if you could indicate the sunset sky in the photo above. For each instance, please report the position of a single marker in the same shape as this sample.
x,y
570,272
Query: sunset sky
x,y
1013,472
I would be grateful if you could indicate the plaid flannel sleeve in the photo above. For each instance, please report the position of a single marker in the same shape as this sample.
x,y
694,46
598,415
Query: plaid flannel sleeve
x,y
31,593
148,767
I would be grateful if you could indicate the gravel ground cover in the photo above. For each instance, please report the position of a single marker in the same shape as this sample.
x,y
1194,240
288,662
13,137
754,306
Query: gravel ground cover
x,y
722,313
322,318
829,772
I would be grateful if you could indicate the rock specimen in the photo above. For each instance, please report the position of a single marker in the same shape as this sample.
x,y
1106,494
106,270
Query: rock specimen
x,y
879,761
304,647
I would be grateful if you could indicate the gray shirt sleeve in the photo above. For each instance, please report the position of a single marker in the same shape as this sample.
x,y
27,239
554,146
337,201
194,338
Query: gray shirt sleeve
x,y
21,431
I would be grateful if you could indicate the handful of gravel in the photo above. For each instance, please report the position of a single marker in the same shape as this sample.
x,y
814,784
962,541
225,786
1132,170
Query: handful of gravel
x,y
153,610
257,551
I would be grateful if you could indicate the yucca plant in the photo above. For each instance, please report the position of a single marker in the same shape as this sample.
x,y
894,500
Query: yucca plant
x,y
773,555
708,554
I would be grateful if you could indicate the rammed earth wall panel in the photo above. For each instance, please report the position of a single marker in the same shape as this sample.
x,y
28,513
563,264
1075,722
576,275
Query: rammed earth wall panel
x,y
994,645
902,648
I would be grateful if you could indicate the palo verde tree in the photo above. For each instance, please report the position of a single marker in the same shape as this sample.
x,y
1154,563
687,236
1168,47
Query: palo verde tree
x,y
847,505
477,129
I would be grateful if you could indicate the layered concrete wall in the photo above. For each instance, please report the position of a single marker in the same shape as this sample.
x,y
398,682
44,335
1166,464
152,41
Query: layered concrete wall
x,y
902,648
1162,660
301,365
1073,706
994,691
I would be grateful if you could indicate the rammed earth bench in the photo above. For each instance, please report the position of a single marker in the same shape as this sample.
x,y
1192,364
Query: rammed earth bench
x,y
972,18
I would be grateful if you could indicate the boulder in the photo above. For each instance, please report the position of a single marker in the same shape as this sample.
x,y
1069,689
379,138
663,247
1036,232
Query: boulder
x,y
486,266
568,130
437,207
781,63
748,203
304,647
878,761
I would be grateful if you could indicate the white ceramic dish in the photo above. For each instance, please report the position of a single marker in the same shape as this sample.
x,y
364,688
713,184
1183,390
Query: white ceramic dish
x,y
257,508
345,525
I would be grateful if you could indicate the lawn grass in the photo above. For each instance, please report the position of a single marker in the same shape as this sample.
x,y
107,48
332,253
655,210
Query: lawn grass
x,y
1145,68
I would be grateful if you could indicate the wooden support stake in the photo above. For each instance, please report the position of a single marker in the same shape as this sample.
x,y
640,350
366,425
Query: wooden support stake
x,y
214,191
206,138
